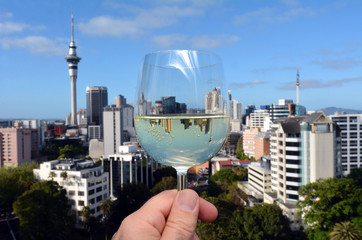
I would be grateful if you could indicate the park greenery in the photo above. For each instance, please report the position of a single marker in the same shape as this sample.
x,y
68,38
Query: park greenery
x,y
332,208
326,204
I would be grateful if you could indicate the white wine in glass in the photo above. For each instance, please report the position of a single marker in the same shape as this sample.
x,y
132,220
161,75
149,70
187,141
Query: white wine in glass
x,y
181,116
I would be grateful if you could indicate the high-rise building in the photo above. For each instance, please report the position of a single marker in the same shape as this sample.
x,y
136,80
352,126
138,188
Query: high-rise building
x,y
73,61
214,102
97,99
257,118
112,129
249,109
235,110
302,149
15,146
350,126
286,108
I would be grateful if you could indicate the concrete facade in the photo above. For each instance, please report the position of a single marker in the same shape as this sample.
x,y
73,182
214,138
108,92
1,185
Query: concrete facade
x,y
15,146
86,183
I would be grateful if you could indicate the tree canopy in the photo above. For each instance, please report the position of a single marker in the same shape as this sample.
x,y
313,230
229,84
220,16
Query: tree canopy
x,y
329,201
165,184
14,181
44,212
264,221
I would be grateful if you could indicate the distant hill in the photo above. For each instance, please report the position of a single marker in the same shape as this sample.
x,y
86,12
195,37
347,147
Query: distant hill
x,y
333,110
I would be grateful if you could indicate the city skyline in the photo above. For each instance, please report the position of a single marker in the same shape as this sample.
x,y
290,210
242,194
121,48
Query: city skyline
x,y
262,44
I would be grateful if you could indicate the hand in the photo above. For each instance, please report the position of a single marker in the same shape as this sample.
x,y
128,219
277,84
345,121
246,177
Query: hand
x,y
168,215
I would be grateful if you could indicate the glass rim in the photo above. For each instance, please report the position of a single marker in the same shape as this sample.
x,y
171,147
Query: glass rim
x,y
216,56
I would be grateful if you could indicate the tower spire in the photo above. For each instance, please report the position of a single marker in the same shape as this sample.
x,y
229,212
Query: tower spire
x,y
73,61
297,85
72,39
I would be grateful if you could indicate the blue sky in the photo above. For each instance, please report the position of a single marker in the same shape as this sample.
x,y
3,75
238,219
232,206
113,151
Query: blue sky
x,y
261,43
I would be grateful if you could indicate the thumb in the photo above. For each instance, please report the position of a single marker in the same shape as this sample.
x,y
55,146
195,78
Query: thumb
x,y
182,220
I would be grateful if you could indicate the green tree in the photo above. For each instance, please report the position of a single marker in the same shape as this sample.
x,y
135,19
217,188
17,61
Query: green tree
x,y
329,201
239,144
14,181
106,206
345,231
70,151
241,155
224,226
225,176
129,199
356,175
165,184
264,221
235,195
165,171
44,212
52,175
64,175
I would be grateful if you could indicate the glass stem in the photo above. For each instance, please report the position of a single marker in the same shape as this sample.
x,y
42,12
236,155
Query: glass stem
x,y
181,180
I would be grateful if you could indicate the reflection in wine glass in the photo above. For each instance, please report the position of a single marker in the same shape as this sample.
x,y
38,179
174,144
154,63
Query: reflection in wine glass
x,y
181,118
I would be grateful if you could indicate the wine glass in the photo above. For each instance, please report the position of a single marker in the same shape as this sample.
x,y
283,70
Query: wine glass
x,y
181,113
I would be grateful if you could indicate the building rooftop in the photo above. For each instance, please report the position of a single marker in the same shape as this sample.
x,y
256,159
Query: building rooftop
x,y
73,164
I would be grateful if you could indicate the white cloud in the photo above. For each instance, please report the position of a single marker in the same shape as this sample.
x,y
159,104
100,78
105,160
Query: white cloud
x,y
6,15
213,41
338,64
273,15
35,44
12,27
247,84
201,42
169,41
142,21
316,83
109,26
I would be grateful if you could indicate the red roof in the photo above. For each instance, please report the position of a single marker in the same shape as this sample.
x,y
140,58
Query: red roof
x,y
234,162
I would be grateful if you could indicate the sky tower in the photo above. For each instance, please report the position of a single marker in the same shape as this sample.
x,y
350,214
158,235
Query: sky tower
x,y
73,61
297,85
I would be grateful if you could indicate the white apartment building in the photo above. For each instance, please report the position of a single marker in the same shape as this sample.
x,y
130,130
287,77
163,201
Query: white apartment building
x,y
86,183
302,150
257,118
235,110
350,126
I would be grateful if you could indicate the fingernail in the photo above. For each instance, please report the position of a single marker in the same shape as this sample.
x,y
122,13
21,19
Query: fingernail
x,y
186,200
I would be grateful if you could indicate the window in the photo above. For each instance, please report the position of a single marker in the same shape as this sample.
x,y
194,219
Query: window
x,y
280,143
99,189
281,168
293,170
292,196
99,198
281,184
80,203
80,193
71,193
91,201
280,151
90,192
281,160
